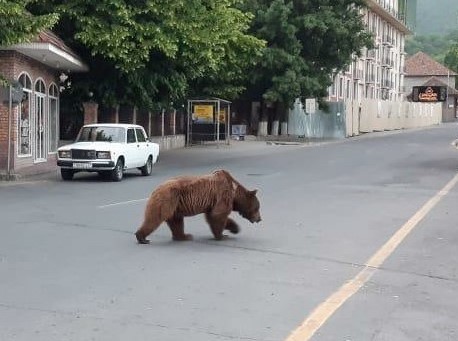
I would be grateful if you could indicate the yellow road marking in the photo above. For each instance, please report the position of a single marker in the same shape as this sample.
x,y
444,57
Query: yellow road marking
x,y
327,308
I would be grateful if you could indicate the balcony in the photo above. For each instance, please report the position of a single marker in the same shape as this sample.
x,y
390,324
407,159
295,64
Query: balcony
x,y
387,40
387,84
358,73
390,14
371,54
370,78
387,62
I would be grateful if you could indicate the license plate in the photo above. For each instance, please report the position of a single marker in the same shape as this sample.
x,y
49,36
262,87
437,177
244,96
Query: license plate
x,y
81,165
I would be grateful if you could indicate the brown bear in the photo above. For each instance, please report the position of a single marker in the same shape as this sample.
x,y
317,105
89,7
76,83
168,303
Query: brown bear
x,y
216,195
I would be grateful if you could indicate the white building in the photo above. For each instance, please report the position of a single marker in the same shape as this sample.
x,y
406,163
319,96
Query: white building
x,y
379,73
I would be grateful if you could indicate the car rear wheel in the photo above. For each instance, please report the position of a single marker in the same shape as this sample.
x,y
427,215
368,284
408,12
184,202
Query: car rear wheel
x,y
67,174
117,172
148,167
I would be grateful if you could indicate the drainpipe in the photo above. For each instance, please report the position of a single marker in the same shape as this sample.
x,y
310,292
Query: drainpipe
x,y
10,109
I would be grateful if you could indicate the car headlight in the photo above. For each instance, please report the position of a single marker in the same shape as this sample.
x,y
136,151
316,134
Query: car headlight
x,y
103,155
65,154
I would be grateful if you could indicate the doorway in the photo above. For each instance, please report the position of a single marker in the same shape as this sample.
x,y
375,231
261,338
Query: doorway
x,y
40,124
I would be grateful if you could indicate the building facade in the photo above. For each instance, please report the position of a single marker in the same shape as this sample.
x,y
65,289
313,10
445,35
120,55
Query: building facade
x,y
379,72
422,70
29,126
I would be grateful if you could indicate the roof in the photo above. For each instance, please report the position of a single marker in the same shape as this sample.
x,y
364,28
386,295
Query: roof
x,y
113,125
420,64
48,49
433,81
47,36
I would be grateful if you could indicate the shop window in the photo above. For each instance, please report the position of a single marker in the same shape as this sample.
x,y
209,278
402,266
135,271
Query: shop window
x,y
24,119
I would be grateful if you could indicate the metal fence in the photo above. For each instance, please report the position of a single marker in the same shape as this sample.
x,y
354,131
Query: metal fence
x,y
156,123
319,124
348,119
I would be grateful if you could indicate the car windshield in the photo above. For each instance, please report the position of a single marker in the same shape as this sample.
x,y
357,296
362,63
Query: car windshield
x,y
103,134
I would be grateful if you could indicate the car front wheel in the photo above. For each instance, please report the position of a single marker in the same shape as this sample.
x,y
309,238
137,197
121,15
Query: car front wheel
x,y
148,167
117,172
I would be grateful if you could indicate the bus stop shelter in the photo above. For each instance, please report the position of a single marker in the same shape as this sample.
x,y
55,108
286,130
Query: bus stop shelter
x,y
208,121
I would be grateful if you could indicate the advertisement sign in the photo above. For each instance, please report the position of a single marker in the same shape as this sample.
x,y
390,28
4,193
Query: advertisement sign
x,y
429,93
222,116
203,114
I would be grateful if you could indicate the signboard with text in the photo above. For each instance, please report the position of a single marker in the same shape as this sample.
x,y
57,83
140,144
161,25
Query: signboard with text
x,y
429,93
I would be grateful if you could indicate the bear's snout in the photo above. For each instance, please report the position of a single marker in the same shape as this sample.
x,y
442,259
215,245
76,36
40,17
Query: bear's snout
x,y
256,218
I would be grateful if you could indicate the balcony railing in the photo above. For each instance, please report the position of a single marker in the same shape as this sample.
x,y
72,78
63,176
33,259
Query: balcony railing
x,y
387,62
370,54
358,73
386,83
370,78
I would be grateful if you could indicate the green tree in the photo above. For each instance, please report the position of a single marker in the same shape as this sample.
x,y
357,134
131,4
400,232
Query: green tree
x,y
308,41
146,51
435,46
451,58
17,25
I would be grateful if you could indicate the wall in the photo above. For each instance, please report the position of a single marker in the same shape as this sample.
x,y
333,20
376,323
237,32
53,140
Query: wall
x,y
384,115
12,64
7,70
169,142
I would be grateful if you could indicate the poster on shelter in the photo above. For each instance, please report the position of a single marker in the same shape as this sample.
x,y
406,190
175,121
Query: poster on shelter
x,y
222,116
202,114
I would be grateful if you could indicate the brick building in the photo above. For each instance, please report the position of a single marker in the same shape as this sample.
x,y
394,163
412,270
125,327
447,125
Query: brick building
x,y
29,127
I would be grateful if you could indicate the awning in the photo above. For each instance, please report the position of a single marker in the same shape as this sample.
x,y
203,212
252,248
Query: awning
x,y
50,55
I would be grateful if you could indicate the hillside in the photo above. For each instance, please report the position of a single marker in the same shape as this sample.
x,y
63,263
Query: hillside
x,y
437,17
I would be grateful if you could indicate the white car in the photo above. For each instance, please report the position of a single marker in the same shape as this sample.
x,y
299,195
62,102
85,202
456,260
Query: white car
x,y
109,149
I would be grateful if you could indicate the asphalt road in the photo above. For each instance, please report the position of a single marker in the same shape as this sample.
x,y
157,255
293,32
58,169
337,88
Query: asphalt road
x,y
316,268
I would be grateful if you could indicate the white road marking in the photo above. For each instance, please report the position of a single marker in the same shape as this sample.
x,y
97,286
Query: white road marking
x,y
121,203
327,308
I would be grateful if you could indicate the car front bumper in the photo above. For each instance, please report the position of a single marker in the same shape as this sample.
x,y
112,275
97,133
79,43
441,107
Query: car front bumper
x,y
82,165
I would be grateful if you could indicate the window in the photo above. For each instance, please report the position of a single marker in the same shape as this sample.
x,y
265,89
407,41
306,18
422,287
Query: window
x,y
40,126
53,117
104,134
333,88
131,136
140,136
341,86
24,121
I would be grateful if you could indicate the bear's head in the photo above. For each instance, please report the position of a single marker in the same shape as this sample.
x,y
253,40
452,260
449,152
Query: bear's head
x,y
247,204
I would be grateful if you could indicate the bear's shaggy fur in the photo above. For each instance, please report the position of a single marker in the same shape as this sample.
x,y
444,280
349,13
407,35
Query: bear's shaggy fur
x,y
216,195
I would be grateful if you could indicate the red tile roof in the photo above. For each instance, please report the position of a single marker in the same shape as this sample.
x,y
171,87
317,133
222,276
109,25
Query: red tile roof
x,y
47,36
420,64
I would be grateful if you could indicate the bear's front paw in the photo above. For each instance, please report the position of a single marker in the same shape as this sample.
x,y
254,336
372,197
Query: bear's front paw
x,y
141,239
232,226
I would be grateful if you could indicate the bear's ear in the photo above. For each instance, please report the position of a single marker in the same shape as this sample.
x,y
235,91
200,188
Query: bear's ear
x,y
254,191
